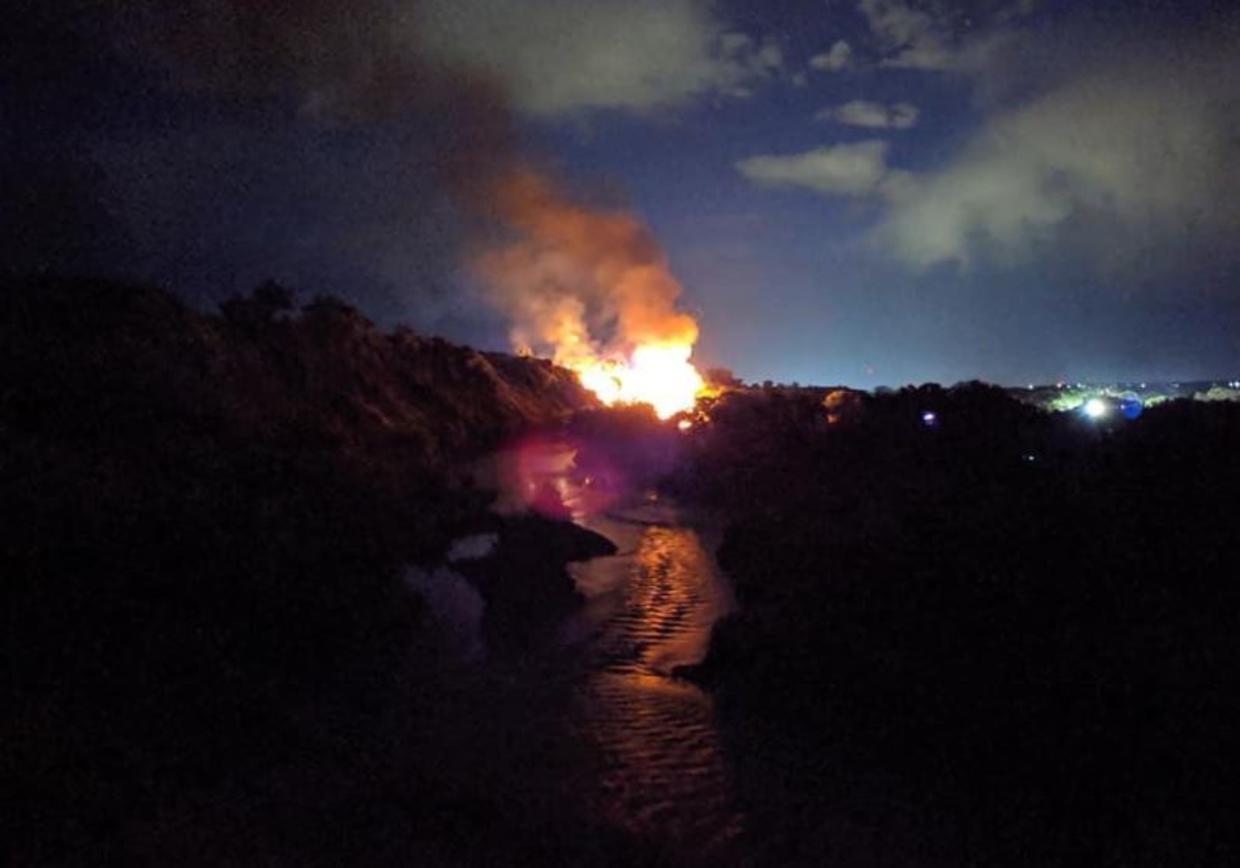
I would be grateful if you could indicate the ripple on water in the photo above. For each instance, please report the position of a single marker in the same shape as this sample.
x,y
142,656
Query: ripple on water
x,y
660,764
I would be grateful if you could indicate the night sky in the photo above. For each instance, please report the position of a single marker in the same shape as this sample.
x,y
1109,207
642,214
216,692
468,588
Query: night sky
x,y
862,192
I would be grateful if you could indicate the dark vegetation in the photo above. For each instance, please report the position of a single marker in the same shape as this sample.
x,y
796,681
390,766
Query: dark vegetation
x,y
207,519
623,448
534,548
992,637
1003,638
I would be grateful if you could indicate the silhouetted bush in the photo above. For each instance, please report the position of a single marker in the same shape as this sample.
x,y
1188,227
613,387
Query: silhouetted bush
x,y
207,524
1025,622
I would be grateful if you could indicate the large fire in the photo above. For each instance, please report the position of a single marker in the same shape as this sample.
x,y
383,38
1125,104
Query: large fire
x,y
589,287
661,376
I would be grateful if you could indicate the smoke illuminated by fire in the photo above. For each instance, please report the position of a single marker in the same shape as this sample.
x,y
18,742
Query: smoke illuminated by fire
x,y
591,289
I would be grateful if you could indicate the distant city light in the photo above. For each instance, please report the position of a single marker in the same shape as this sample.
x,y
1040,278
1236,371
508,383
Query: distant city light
x,y
1096,408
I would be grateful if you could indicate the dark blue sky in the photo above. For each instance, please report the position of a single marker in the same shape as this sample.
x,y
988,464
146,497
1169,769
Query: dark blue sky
x,y
1014,191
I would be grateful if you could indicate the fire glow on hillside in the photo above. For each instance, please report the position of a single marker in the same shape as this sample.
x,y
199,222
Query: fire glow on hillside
x,y
590,288
661,376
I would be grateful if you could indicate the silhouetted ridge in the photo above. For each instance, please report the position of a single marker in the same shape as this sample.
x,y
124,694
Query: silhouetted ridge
x,y
207,520
1010,634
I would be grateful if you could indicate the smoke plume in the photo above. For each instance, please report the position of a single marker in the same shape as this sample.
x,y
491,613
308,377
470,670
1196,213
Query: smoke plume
x,y
577,283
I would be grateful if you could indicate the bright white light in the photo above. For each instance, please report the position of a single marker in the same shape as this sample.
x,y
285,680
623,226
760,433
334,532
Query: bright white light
x,y
1096,408
929,418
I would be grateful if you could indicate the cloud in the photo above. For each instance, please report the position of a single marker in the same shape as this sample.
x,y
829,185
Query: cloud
x,y
379,57
1131,162
872,115
330,62
856,169
562,56
838,56
910,37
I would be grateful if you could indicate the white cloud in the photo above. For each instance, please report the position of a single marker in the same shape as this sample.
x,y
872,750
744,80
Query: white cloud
x,y
561,56
911,38
838,56
855,169
1133,160
872,115
908,37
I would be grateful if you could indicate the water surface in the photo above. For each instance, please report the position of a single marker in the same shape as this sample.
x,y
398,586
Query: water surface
x,y
659,769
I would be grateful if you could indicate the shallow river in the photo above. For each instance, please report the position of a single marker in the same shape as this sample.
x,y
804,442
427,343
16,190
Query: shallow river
x,y
655,765
660,771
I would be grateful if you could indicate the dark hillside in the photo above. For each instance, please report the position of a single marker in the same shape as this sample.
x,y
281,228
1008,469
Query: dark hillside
x,y
206,517
1003,637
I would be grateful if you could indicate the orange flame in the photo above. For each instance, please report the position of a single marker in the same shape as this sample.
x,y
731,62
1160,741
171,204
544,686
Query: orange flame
x,y
569,274
661,376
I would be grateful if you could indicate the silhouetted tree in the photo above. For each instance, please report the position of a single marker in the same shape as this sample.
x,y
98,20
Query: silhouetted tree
x,y
722,377
263,306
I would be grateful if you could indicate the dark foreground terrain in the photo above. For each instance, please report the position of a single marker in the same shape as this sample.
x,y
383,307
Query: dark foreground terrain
x,y
989,636
211,655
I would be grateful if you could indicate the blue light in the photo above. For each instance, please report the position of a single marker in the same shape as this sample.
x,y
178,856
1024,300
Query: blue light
x,y
930,419
1131,407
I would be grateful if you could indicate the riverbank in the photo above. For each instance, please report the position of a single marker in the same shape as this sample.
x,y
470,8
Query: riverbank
x,y
1003,638
215,515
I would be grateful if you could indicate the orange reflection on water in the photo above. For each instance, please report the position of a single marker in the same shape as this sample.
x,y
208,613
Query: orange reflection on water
x,y
662,774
